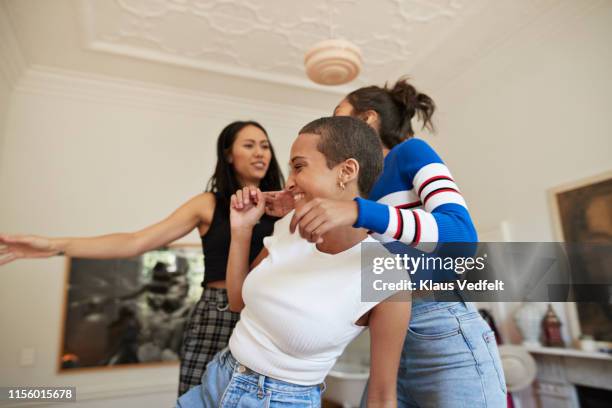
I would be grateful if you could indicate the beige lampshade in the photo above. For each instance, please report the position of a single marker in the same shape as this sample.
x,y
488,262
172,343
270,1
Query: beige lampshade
x,y
333,62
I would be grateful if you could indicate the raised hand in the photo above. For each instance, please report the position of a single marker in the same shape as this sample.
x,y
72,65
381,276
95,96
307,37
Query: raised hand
x,y
278,203
14,247
246,208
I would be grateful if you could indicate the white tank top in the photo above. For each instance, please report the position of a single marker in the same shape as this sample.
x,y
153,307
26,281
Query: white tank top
x,y
301,306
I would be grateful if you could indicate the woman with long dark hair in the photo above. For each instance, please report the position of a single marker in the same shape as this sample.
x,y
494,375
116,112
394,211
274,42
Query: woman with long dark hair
x,y
245,157
450,353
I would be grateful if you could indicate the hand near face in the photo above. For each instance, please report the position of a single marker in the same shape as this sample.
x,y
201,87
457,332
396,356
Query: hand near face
x,y
278,203
24,246
319,215
246,208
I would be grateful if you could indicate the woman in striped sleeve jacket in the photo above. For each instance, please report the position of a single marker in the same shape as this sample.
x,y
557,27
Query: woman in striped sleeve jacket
x,y
450,356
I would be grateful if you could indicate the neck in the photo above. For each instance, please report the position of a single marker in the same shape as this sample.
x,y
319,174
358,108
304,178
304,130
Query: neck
x,y
243,182
341,238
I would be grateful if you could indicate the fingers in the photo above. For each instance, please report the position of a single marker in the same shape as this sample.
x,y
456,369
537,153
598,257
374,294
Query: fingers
x,y
239,200
271,194
307,228
300,213
317,234
246,196
259,199
7,259
253,195
15,239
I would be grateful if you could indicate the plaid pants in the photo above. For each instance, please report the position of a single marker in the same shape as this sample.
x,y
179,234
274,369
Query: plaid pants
x,y
208,331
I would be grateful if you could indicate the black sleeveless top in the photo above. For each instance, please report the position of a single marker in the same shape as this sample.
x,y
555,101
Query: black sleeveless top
x,y
216,242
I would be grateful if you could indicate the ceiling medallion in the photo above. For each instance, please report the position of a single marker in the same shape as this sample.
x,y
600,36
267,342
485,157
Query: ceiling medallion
x,y
333,62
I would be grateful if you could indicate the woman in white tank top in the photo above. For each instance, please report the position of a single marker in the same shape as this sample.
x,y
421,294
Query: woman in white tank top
x,y
301,304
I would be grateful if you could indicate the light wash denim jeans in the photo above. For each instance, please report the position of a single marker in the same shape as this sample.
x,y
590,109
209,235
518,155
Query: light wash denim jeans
x,y
227,383
450,360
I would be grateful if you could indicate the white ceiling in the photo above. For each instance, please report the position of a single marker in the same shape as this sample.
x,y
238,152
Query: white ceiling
x,y
267,39
255,48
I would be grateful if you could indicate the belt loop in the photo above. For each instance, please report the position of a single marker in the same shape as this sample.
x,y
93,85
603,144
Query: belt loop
x,y
222,300
461,296
229,359
260,386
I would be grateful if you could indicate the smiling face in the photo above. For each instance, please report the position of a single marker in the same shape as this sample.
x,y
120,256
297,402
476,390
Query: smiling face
x,y
250,155
309,175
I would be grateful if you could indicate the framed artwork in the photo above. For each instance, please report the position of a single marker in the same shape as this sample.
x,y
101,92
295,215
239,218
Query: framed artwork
x,y
126,312
582,213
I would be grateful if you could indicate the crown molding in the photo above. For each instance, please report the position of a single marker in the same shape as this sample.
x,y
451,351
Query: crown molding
x,y
90,42
12,61
224,69
43,80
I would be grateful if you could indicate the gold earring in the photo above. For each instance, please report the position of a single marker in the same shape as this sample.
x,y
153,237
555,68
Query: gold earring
x,y
341,184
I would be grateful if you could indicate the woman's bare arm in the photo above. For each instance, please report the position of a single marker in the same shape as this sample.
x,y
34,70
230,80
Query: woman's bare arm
x,y
388,323
246,208
193,213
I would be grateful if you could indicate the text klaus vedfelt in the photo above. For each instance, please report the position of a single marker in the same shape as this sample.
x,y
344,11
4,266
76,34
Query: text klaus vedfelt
x,y
412,264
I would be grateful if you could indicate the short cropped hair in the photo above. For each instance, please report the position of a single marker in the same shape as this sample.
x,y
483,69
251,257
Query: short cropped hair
x,y
345,137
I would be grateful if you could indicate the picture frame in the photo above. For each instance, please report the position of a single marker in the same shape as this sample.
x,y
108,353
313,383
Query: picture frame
x,y
582,212
122,313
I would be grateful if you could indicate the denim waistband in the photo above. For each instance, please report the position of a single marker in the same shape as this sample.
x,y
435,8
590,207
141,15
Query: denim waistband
x,y
430,306
255,378
426,306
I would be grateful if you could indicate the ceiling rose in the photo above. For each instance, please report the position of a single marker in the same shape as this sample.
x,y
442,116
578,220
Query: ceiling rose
x,y
333,62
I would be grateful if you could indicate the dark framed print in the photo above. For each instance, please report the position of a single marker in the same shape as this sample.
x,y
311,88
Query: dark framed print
x,y
125,312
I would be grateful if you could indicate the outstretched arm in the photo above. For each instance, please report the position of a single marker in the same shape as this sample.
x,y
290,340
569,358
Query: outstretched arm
x,y
388,323
120,245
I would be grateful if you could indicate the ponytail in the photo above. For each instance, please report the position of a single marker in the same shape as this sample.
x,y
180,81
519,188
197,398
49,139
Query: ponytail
x,y
396,106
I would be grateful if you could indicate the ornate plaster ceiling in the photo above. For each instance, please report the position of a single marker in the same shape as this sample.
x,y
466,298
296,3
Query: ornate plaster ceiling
x,y
267,39
255,48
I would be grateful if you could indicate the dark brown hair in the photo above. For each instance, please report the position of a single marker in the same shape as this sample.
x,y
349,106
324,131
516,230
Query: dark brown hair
x,y
224,181
345,137
396,106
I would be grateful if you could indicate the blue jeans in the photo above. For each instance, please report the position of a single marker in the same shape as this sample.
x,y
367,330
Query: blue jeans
x,y
227,383
449,359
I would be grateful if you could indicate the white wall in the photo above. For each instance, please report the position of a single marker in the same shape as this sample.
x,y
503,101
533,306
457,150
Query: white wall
x,y
5,96
86,155
532,115
12,65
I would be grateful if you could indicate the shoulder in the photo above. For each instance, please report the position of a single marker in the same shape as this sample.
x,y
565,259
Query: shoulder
x,y
417,148
414,154
206,199
203,205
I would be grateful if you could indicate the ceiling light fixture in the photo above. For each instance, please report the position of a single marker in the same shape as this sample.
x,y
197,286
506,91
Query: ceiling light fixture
x,y
333,62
